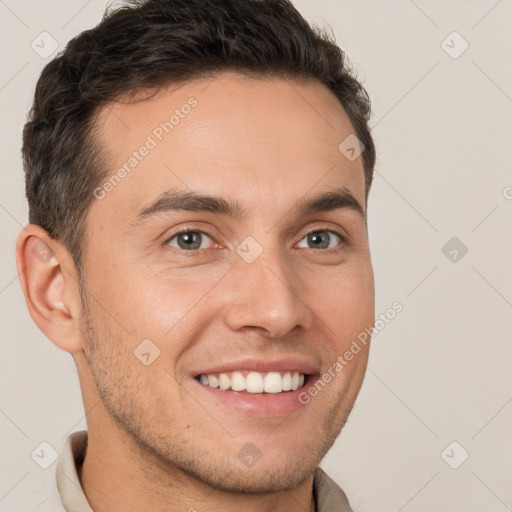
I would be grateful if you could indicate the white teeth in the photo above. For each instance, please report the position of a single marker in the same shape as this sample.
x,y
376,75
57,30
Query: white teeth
x,y
295,381
273,383
224,381
213,381
254,382
237,381
287,381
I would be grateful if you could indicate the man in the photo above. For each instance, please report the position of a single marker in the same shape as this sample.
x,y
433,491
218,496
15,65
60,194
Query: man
x,y
198,174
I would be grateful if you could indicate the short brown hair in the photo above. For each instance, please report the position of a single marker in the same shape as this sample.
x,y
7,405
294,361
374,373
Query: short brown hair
x,y
148,45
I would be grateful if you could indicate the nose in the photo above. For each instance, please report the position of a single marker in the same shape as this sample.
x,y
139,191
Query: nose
x,y
267,295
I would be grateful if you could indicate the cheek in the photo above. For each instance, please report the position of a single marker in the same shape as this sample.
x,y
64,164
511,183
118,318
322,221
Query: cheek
x,y
172,311
345,300
153,303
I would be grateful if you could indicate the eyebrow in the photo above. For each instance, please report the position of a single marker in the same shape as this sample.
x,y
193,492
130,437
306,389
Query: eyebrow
x,y
181,200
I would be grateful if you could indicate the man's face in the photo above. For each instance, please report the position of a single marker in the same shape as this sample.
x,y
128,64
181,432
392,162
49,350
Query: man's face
x,y
236,292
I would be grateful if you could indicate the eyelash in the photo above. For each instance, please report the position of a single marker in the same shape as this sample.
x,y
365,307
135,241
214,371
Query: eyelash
x,y
196,252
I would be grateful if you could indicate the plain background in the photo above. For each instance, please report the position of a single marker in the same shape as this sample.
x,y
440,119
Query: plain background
x,y
440,371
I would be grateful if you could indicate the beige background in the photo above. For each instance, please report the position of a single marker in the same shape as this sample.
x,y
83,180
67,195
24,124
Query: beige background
x,y
440,371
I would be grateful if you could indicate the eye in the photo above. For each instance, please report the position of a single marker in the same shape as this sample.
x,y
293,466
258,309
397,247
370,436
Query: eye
x,y
321,239
188,240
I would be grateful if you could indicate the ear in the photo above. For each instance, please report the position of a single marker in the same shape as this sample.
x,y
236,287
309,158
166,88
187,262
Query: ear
x,y
49,281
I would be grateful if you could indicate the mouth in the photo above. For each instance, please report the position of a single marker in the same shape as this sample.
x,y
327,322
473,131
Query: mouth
x,y
252,393
252,382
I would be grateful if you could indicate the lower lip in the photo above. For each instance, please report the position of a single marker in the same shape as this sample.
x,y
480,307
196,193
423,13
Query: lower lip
x,y
258,405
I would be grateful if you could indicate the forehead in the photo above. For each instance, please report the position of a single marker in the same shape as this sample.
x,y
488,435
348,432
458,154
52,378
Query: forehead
x,y
262,141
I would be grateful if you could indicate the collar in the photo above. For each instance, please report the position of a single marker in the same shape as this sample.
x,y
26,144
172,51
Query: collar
x,y
70,458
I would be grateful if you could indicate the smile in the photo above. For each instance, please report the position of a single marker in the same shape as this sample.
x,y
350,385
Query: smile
x,y
253,382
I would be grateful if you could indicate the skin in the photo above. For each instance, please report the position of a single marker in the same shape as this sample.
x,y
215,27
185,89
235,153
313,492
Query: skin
x,y
153,444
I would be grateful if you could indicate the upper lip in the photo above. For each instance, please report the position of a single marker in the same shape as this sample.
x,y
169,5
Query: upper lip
x,y
263,365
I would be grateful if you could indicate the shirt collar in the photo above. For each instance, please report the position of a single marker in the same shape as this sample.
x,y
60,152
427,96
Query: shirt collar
x,y
70,458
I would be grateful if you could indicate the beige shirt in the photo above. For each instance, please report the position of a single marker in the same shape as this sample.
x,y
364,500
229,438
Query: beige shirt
x,y
328,496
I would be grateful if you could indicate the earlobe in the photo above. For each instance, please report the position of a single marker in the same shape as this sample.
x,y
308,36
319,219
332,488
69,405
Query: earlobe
x,y
49,283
